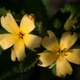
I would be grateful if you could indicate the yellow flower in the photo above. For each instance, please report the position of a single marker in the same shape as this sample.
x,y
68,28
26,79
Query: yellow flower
x,y
59,53
70,22
19,37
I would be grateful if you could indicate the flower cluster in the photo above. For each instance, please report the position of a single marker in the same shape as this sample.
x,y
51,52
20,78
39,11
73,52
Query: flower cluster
x,y
61,53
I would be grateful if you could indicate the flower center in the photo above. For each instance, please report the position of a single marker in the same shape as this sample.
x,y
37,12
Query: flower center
x,y
62,52
21,35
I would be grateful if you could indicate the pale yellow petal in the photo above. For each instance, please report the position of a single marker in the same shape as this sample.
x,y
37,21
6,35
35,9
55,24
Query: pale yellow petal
x,y
51,42
7,40
63,67
73,56
18,51
47,58
32,41
13,56
68,40
9,23
26,25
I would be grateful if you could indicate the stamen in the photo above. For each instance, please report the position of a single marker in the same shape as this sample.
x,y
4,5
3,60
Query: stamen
x,y
21,35
62,52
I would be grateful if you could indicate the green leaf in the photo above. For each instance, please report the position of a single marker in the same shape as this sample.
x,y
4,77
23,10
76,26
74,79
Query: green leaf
x,y
72,7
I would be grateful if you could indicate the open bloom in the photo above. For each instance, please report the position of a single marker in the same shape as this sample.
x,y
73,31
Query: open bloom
x,y
18,36
60,53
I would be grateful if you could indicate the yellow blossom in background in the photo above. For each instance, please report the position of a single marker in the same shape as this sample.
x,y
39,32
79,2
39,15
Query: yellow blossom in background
x,y
18,36
70,22
60,53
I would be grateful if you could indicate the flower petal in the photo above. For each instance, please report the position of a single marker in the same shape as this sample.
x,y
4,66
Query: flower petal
x,y
67,40
7,40
13,56
32,41
47,58
18,51
9,23
51,42
73,56
27,25
63,67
